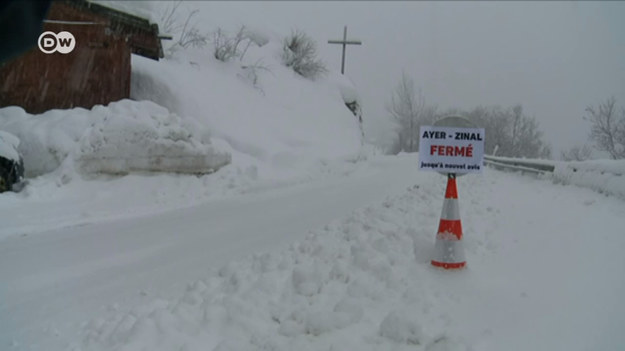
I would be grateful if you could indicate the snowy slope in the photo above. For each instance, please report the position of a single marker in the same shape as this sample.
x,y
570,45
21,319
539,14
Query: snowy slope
x,y
283,120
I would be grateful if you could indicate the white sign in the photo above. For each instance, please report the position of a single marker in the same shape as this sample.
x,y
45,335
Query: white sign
x,y
50,42
451,149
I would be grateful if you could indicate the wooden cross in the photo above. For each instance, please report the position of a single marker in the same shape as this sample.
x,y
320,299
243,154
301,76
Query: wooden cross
x,y
344,42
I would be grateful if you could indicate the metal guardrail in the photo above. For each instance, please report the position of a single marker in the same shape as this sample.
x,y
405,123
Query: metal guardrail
x,y
604,177
519,164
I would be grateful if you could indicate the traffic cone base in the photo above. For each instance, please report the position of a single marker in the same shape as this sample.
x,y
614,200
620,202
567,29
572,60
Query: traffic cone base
x,y
448,250
449,265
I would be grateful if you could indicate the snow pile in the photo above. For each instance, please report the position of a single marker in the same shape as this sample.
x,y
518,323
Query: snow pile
x,y
122,137
354,285
45,139
142,136
604,176
346,87
8,146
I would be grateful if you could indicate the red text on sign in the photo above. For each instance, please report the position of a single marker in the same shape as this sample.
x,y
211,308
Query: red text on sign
x,y
443,150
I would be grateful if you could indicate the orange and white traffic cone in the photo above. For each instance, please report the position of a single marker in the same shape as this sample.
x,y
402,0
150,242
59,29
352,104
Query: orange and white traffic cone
x,y
448,250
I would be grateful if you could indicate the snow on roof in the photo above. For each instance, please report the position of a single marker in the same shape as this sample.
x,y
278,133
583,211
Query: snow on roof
x,y
144,9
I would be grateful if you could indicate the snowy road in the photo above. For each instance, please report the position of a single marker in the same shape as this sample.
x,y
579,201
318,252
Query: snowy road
x,y
52,281
545,269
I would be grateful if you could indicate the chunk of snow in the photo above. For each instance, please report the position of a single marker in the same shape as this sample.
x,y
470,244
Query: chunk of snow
x,y
8,146
146,137
346,87
122,137
45,139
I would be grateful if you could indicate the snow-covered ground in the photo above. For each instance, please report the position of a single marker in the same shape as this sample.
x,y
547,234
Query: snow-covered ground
x,y
604,176
304,237
338,261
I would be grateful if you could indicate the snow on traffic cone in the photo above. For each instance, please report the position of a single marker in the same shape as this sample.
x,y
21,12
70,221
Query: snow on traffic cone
x,y
448,250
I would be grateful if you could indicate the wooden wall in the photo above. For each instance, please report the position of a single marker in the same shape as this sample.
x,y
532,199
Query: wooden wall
x,y
97,71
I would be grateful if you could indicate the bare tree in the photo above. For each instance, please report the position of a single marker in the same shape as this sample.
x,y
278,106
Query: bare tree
x,y
495,125
576,153
517,120
528,141
409,112
510,131
607,130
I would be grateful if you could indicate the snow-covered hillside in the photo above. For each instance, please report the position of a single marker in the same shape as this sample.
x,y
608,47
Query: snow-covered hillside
x,y
252,110
271,114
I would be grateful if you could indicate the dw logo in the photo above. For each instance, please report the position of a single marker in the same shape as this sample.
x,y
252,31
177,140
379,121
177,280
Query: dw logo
x,y
63,42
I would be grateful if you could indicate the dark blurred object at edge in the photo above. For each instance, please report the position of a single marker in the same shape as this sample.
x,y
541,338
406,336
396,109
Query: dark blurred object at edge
x,y
21,23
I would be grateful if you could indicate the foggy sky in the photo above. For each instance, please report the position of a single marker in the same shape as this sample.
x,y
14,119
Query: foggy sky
x,y
554,58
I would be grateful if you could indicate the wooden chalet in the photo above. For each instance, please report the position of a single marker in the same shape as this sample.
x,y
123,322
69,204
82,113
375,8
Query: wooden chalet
x,y
97,71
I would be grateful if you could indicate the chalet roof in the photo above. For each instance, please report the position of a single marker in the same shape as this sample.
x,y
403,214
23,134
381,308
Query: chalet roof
x,y
136,28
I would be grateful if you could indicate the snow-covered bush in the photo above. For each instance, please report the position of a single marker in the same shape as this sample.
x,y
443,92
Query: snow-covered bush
x,y
184,32
300,53
576,153
227,47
